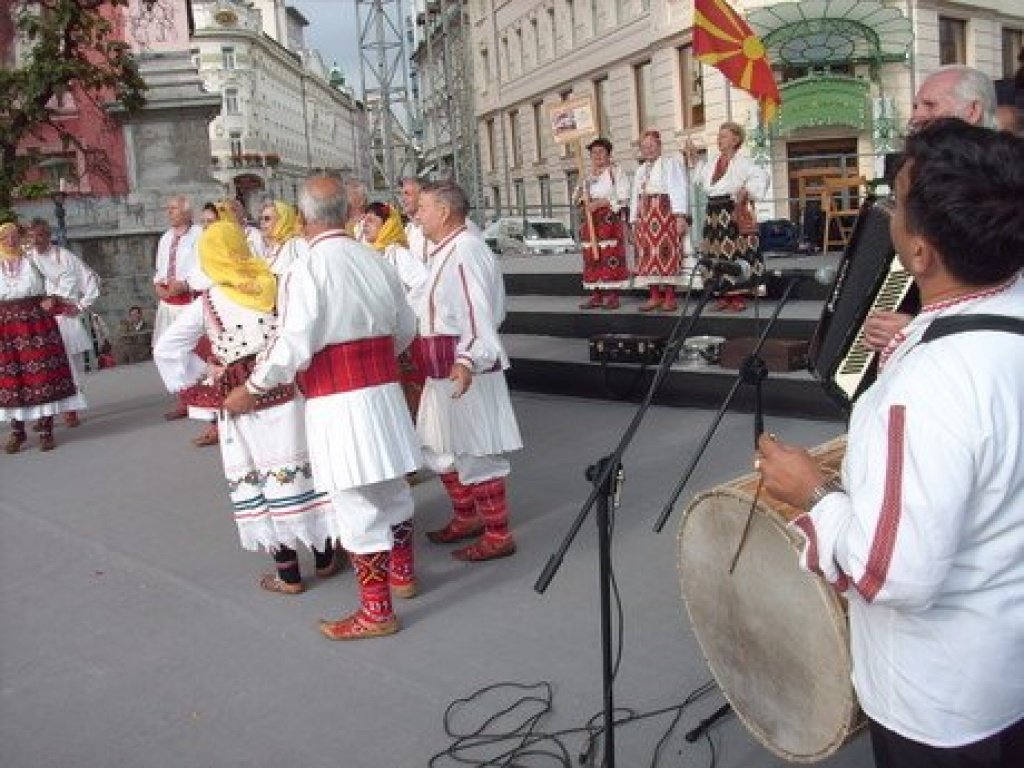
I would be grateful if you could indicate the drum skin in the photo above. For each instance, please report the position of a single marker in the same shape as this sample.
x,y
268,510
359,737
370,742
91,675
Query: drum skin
x,y
775,637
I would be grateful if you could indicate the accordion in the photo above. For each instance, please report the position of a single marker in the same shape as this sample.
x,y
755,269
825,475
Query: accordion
x,y
870,278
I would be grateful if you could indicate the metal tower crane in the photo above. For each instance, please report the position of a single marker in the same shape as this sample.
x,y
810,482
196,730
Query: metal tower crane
x,y
385,81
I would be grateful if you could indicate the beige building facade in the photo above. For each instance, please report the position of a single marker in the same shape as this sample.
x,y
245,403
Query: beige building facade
x,y
847,72
283,115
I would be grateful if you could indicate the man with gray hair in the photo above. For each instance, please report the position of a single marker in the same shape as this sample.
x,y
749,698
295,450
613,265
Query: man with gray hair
x,y
79,287
465,418
954,90
343,319
175,263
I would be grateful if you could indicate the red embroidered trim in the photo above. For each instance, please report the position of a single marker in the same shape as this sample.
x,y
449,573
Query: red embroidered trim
x,y
884,541
940,305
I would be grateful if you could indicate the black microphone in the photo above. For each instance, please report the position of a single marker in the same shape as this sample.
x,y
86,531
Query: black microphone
x,y
825,275
739,269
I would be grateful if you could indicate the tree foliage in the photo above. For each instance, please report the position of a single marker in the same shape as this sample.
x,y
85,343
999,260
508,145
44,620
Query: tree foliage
x,y
64,46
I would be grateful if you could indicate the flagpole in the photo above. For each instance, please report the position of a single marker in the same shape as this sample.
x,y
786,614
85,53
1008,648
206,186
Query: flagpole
x,y
728,99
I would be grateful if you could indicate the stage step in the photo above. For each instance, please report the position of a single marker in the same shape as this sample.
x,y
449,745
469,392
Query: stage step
x,y
547,337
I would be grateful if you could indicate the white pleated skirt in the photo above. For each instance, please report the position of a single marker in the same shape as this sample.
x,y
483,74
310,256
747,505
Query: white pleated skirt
x,y
361,438
480,423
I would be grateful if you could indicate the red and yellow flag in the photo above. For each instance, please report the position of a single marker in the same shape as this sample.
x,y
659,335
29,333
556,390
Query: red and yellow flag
x,y
726,42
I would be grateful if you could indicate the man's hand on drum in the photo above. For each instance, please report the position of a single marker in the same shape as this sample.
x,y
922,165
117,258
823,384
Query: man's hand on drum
x,y
789,472
881,326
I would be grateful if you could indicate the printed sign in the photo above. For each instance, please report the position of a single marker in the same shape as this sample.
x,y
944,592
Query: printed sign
x,y
572,119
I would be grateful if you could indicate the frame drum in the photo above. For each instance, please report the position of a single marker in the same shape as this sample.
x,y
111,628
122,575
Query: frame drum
x,y
775,637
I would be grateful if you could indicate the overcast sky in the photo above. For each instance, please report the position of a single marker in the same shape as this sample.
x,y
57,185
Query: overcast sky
x,y
334,32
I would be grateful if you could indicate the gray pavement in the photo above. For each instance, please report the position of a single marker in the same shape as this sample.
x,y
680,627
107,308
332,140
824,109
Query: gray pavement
x,y
132,632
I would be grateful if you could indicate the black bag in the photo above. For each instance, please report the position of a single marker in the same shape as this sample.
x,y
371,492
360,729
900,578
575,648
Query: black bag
x,y
779,235
626,348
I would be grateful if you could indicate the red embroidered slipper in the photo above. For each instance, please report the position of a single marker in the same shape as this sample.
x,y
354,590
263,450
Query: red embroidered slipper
x,y
454,531
487,548
358,626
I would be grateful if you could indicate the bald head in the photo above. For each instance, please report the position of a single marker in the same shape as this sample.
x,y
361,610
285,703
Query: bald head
x,y
322,203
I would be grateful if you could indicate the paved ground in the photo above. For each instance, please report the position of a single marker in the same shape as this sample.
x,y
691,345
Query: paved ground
x,y
132,632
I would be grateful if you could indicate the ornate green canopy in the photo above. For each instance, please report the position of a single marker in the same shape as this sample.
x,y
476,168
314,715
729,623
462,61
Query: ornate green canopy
x,y
819,33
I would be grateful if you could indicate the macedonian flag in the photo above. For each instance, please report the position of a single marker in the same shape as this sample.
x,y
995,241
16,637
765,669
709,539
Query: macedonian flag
x,y
725,41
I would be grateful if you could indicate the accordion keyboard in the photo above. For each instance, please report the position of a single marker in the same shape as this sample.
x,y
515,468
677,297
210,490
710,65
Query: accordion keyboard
x,y
854,366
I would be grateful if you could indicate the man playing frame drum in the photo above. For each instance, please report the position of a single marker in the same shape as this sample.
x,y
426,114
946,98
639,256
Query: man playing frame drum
x,y
925,534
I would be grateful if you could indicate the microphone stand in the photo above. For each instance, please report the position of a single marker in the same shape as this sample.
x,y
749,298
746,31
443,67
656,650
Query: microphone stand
x,y
752,371
607,476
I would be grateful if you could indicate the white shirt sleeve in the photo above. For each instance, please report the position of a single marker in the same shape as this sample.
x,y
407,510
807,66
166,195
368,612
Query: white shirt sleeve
x,y
174,352
292,348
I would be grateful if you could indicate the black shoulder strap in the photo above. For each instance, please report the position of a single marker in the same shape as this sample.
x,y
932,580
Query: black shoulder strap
x,y
945,326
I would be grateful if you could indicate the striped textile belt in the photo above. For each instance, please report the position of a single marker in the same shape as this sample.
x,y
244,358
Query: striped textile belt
x,y
349,366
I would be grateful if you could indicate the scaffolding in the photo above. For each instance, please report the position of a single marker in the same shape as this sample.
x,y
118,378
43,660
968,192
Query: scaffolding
x,y
446,120
385,83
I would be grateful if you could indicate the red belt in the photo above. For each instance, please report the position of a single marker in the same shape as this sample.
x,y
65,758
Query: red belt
x,y
181,298
434,356
349,366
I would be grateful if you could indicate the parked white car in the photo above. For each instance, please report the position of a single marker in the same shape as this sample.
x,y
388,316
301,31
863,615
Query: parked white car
x,y
514,234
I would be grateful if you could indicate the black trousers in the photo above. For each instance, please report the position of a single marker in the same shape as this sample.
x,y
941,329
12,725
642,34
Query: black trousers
x,y
1001,750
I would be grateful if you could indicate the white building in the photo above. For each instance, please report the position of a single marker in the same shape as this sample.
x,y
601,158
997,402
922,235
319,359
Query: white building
x,y
847,71
283,115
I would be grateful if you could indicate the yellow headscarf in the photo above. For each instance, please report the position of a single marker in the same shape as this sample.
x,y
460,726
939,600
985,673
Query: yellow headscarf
x,y
287,225
7,253
393,231
225,257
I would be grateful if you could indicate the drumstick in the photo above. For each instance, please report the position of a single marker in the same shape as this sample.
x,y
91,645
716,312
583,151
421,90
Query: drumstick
x,y
746,525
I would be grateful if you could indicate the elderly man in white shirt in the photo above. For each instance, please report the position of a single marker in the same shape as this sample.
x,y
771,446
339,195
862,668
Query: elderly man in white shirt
x,y
67,275
344,318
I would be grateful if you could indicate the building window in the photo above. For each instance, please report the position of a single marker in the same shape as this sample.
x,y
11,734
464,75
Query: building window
x,y
594,21
538,128
952,41
520,52
227,56
571,8
506,59
1013,44
645,5
492,155
601,102
553,29
535,31
517,146
546,208
520,194
644,88
485,66
496,200
235,140
231,101
691,80
567,146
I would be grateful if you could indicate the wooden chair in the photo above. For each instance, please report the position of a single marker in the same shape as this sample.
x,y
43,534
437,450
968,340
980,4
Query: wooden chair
x,y
840,202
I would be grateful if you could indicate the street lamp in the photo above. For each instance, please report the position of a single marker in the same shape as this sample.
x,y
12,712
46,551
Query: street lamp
x,y
55,168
